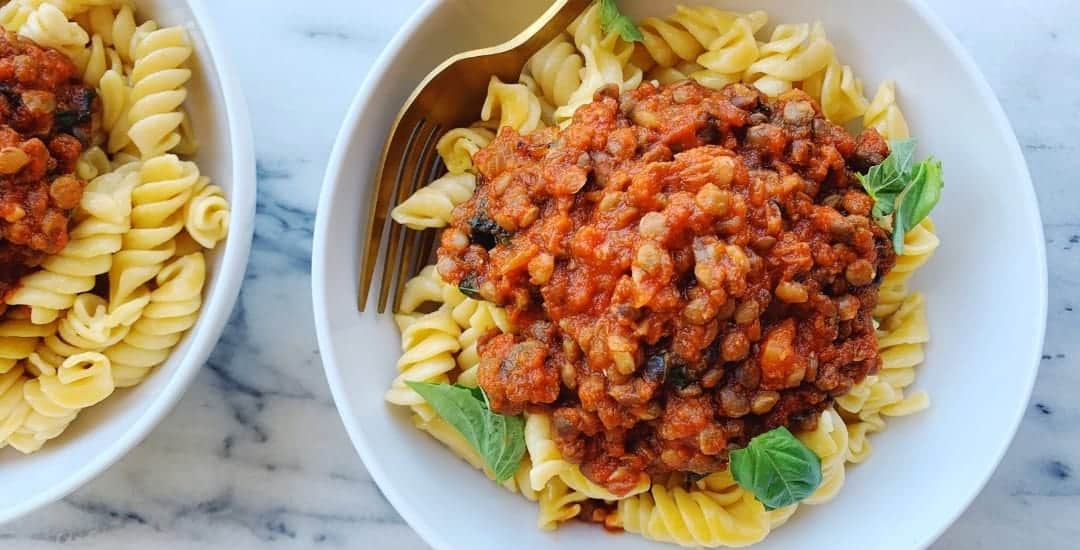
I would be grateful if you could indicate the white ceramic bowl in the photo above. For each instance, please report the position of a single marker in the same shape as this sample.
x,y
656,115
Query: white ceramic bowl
x,y
986,291
105,432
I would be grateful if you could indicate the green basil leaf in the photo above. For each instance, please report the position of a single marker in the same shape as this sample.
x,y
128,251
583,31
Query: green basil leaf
x,y
901,155
899,233
924,192
903,189
920,197
887,180
777,468
505,441
469,288
612,20
498,439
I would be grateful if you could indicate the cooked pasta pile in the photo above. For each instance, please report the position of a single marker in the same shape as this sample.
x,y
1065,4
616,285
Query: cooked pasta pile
x,y
440,325
112,305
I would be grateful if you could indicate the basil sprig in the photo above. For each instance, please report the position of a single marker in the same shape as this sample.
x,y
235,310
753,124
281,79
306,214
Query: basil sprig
x,y
777,468
498,439
903,189
613,20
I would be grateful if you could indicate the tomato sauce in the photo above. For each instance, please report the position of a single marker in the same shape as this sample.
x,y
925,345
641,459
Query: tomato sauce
x,y
686,268
47,116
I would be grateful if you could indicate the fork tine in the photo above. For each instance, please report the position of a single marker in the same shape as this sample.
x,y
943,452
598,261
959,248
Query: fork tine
x,y
426,247
412,262
427,244
411,180
388,180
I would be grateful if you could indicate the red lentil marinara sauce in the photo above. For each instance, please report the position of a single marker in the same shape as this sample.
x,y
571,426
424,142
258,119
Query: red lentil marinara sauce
x,y
46,118
686,268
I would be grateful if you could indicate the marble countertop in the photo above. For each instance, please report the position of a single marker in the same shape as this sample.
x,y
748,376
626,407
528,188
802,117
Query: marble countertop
x,y
255,456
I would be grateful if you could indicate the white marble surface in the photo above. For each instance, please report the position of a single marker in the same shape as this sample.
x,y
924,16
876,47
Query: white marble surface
x,y
255,455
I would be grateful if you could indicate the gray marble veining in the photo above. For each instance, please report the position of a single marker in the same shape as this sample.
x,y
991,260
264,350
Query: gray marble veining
x,y
255,456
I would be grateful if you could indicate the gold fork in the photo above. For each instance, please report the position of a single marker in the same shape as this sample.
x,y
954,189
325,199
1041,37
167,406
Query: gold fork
x,y
449,97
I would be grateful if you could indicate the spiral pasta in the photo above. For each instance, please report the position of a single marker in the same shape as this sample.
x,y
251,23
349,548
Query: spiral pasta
x,y
607,61
19,337
457,147
793,54
716,513
100,58
838,91
158,89
173,308
48,26
54,400
884,114
106,205
432,206
165,185
547,462
428,343
511,105
557,504
85,327
919,245
206,214
556,71
688,33
830,442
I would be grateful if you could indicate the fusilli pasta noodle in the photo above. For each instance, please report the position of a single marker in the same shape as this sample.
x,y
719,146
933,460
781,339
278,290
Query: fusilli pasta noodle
x,y
716,513
476,318
838,91
556,72
165,185
158,81
428,343
173,308
432,206
457,147
686,34
830,442
607,61
919,245
206,214
511,105
557,504
884,113
84,327
793,54
48,26
19,337
53,400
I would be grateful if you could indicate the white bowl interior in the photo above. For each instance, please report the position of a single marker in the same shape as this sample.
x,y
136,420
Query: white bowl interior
x,y
103,433
986,291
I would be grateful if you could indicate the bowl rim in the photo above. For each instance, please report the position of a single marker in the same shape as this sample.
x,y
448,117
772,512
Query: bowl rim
x,y
332,181
217,306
